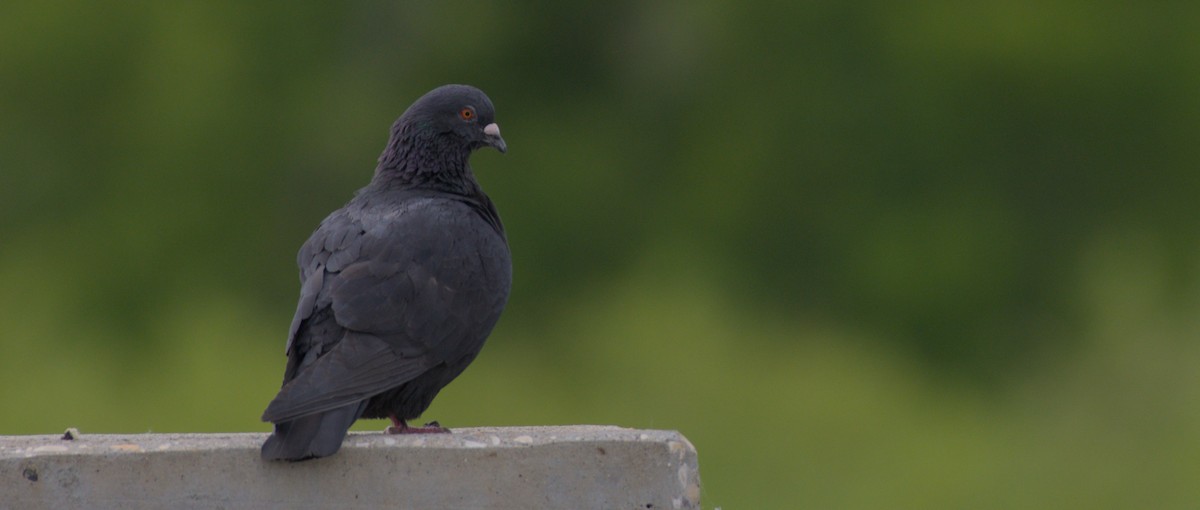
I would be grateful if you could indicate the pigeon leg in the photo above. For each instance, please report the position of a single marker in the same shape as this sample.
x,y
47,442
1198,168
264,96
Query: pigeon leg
x,y
401,427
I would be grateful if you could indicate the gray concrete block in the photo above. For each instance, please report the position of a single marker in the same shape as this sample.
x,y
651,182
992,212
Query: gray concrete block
x,y
575,467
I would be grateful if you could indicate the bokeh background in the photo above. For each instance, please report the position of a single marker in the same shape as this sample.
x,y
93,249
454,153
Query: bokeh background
x,y
873,254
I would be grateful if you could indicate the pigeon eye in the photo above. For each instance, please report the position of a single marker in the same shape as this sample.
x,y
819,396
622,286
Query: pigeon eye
x,y
467,113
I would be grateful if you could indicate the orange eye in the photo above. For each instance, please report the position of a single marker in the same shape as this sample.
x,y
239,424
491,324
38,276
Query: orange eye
x,y
466,114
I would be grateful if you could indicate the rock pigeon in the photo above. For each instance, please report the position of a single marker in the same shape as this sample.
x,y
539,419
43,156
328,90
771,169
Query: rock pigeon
x,y
399,288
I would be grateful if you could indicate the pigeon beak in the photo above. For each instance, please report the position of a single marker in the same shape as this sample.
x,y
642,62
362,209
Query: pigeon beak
x,y
491,135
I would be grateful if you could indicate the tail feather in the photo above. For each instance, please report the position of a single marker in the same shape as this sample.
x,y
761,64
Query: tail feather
x,y
312,436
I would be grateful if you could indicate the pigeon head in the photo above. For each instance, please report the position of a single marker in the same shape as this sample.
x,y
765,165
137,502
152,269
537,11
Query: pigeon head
x,y
436,135
460,114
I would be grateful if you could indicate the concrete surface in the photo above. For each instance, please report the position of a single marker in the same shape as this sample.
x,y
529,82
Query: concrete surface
x,y
577,467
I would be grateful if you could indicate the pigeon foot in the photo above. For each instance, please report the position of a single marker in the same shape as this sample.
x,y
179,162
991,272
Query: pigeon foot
x,y
401,427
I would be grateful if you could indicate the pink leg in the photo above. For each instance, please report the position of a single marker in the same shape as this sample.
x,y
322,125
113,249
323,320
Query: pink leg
x,y
400,427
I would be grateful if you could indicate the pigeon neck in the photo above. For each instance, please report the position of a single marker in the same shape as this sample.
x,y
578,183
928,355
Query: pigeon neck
x,y
425,162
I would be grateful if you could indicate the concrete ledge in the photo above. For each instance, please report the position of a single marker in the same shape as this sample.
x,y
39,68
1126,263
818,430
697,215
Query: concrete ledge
x,y
574,467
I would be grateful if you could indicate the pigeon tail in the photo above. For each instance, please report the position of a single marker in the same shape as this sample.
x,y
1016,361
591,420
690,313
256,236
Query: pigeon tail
x,y
312,436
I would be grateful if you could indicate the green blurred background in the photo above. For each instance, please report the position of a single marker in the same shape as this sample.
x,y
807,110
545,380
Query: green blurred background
x,y
872,254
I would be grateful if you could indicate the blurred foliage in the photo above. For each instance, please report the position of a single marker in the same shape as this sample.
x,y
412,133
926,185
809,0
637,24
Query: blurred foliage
x,y
864,254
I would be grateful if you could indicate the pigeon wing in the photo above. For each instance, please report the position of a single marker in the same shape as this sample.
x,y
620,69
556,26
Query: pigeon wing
x,y
410,300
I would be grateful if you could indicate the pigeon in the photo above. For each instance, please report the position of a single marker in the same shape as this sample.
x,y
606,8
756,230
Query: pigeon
x,y
400,288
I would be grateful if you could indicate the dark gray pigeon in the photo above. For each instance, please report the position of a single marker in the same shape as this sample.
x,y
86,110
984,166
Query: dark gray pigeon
x,y
399,288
